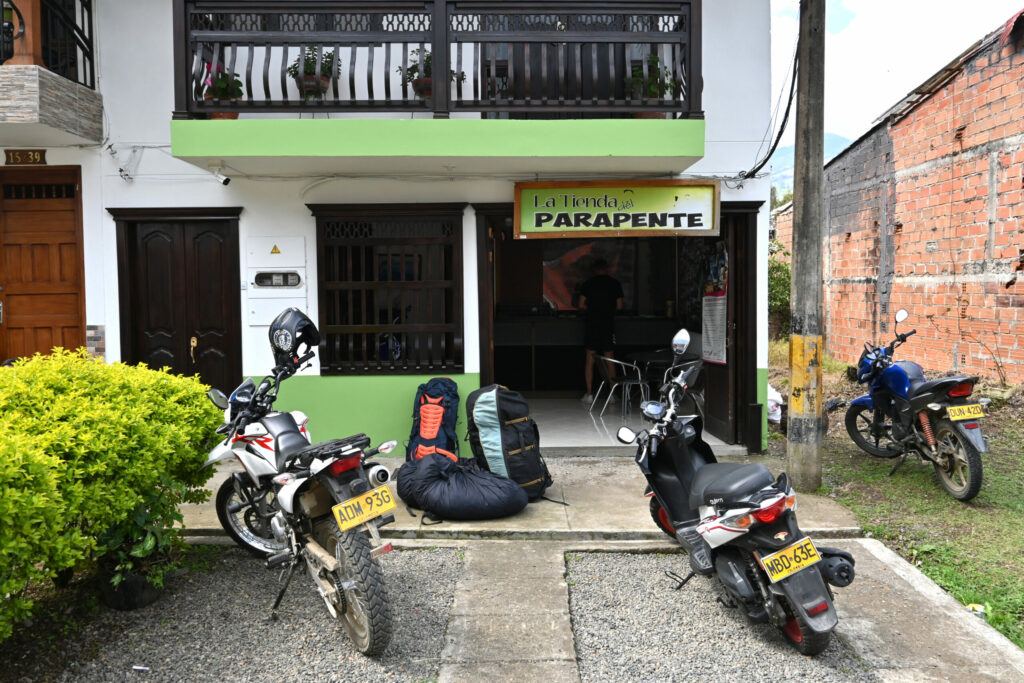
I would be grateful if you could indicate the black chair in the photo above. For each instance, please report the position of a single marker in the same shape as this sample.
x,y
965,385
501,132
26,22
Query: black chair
x,y
616,374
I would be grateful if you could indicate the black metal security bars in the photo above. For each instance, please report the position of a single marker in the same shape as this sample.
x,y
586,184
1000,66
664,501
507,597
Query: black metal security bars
x,y
67,40
500,58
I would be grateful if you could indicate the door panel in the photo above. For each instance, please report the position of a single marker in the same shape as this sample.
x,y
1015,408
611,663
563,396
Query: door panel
x,y
720,380
180,283
43,294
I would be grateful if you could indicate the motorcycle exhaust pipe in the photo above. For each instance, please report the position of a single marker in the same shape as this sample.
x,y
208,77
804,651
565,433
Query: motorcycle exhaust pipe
x,y
837,567
378,474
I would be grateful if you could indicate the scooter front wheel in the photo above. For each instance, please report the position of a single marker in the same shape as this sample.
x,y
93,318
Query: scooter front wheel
x,y
859,423
366,612
660,517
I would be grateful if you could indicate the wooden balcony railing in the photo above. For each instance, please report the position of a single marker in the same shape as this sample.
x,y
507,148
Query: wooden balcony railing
x,y
56,34
503,58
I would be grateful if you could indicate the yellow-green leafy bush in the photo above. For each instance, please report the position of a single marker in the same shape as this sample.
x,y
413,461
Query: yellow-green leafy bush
x,y
108,453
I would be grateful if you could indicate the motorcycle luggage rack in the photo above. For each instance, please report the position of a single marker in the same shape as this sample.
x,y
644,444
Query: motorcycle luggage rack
x,y
349,444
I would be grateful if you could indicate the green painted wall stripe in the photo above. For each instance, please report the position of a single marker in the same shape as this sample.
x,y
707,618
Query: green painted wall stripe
x,y
762,398
438,138
380,407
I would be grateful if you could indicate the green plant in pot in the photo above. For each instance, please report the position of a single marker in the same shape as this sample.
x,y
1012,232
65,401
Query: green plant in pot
x,y
419,74
658,83
311,82
223,87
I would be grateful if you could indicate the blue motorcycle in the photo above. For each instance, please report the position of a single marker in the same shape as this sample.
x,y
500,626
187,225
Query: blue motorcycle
x,y
904,414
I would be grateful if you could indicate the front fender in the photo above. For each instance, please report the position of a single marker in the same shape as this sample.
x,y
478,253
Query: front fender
x,y
973,435
864,400
221,451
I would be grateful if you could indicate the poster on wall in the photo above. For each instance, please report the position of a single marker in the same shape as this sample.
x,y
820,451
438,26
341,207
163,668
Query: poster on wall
x,y
611,208
714,309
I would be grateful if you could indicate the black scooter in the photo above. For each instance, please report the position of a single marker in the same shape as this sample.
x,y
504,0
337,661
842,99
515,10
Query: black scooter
x,y
736,521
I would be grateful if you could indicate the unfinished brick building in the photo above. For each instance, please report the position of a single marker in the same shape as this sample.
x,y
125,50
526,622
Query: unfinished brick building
x,y
925,211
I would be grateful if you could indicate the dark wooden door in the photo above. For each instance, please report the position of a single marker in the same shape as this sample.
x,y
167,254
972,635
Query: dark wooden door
x,y
42,289
179,297
720,380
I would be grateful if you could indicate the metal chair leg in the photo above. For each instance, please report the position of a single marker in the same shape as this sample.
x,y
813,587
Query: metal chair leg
x,y
597,393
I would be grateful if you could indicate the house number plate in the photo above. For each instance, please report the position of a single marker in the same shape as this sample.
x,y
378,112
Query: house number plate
x,y
25,157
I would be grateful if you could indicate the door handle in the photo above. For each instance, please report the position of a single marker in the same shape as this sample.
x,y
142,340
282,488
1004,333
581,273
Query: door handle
x,y
1,312
193,343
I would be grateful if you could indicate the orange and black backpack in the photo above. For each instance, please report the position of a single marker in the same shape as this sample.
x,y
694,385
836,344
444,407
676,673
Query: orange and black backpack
x,y
434,413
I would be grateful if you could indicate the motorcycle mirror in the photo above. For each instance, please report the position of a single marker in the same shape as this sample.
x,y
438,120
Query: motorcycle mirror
x,y
218,398
626,435
902,315
680,342
387,447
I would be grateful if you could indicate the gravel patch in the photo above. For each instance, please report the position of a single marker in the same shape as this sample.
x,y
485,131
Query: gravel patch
x,y
213,626
630,625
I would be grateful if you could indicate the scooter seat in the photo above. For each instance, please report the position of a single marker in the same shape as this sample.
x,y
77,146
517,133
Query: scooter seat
x,y
723,482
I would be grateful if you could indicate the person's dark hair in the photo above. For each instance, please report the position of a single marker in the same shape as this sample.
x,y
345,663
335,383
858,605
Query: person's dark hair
x,y
600,264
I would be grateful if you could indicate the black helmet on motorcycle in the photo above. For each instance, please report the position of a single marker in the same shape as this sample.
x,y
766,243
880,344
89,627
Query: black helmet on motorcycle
x,y
290,330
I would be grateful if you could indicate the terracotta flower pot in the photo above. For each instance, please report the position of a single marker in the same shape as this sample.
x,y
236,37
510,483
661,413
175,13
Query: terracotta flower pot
x,y
311,85
424,87
220,115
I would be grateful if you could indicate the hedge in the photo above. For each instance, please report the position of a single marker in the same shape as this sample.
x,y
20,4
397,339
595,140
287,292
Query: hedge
x,y
94,460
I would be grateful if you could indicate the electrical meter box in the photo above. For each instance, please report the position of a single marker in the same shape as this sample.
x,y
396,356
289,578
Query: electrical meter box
x,y
275,277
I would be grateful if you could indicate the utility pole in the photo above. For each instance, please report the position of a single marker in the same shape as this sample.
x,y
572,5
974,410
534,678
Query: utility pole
x,y
803,453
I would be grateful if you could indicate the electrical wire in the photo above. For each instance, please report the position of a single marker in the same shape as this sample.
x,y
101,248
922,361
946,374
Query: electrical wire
x,y
782,127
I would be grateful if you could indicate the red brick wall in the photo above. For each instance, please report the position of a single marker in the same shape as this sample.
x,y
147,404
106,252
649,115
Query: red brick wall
x,y
926,214
782,223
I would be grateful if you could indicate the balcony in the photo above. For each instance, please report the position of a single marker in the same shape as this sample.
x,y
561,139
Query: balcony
x,y
47,75
340,85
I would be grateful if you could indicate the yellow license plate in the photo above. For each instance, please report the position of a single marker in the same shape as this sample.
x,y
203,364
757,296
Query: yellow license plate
x,y
789,561
364,507
965,412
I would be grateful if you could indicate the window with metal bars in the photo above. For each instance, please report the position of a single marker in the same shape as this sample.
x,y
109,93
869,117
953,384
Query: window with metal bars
x,y
390,289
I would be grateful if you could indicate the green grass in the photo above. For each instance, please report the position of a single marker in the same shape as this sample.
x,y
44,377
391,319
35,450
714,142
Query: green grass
x,y
974,550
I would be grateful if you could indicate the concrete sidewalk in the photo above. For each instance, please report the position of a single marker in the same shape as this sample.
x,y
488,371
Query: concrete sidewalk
x,y
893,617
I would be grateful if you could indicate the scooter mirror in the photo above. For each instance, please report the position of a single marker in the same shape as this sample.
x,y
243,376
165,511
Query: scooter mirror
x,y
626,435
902,315
387,447
218,398
680,342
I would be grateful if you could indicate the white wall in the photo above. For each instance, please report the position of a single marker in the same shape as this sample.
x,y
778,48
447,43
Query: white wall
x,y
138,101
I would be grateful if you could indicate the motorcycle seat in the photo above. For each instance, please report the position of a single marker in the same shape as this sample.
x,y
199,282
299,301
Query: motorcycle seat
x,y
940,385
287,437
724,482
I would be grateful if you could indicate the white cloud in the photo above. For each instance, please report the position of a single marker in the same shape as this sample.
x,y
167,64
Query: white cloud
x,y
888,48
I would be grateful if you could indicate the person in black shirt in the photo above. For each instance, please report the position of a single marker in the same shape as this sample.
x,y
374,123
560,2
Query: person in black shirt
x,y
600,297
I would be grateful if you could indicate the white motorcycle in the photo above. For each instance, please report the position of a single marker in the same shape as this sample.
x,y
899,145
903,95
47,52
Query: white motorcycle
x,y
314,504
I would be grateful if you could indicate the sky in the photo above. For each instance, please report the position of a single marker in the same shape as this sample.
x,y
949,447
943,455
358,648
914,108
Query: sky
x,y
877,51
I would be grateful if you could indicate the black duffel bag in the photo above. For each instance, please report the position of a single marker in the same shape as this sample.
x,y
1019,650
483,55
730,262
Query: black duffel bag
x,y
458,490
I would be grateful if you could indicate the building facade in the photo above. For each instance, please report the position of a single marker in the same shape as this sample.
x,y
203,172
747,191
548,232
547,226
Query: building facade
x,y
355,186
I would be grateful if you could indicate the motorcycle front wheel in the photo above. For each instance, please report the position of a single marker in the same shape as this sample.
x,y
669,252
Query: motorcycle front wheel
x,y
858,426
250,526
960,470
365,613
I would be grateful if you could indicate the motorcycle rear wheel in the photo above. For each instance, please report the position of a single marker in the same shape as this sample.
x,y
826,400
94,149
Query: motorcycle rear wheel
x,y
806,641
858,426
962,475
367,613
246,527
660,517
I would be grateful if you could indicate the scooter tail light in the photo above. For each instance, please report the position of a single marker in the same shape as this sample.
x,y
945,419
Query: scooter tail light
x,y
961,389
344,464
737,521
771,513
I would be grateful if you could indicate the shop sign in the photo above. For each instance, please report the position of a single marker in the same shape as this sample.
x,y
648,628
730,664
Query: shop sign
x,y
637,208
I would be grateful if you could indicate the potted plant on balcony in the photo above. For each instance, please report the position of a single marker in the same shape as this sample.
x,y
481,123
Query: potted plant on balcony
x,y
311,82
419,74
221,86
658,82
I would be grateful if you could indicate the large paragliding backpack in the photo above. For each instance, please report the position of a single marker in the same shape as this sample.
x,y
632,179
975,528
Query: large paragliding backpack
x,y
505,439
434,413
